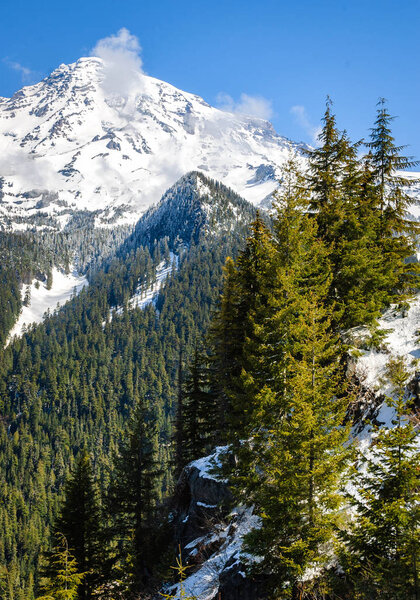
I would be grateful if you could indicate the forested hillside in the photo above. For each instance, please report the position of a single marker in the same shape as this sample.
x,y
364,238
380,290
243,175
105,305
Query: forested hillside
x,y
28,255
72,382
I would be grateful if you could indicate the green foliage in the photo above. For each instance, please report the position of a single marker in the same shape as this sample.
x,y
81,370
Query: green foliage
x,y
72,381
381,547
181,571
200,421
132,497
25,256
63,580
80,522
360,208
271,383
289,448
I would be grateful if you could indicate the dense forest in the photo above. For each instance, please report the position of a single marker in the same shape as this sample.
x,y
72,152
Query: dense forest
x,y
103,404
73,381
336,522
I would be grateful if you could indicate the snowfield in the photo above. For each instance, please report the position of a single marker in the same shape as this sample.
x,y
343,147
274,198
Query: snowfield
x,y
43,300
67,145
145,296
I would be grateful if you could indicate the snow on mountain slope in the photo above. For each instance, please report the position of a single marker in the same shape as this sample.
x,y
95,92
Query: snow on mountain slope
x,y
144,295
193,205
42,299
67,145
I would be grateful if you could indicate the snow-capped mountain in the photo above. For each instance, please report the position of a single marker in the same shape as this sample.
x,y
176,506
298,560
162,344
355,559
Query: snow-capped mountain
x,y
68,144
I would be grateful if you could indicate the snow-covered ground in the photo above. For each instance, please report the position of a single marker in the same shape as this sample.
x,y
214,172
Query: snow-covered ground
x,y
402,339
143,297
207,465
42,299
204,583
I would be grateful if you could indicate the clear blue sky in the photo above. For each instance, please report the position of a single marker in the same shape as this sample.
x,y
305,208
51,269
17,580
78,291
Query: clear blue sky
x,y
292,53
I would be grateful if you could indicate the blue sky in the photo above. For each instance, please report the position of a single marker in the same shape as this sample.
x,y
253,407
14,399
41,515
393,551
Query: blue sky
x,y
289,55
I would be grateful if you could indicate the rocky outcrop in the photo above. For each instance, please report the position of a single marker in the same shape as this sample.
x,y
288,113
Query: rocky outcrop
x,y
210,533
200,500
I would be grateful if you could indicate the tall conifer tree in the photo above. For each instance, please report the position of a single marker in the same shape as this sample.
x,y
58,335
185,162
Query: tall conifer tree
x,y
132,498
290,460
80,522
396,233
201,410
63,579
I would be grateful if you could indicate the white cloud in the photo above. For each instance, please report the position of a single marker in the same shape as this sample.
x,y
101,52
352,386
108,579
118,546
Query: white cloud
x,y
123,66
302,119
26,73
257,106
35,172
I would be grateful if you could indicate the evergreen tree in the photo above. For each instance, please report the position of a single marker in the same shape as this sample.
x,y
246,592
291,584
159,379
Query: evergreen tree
x,y
181,571
64,579
396,234
180,459
387,161
326,174
245,294
132,498
334,183
360,207
291,455
382,545
226,339
202,413
80,522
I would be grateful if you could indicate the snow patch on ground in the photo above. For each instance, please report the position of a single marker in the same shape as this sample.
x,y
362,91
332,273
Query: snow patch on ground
x,y
402,339
208,464
43,300
145,296
204,583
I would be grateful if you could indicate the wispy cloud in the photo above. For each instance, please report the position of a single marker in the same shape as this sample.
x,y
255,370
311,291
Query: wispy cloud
x,y
27,75
123,65
257,106
302,119
37,172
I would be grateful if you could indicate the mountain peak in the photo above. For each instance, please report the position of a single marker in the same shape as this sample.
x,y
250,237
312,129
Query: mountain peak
x,y
73,142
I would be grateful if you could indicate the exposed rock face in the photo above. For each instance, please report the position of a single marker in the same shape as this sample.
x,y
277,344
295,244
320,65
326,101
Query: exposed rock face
x,y
211,533
198,500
